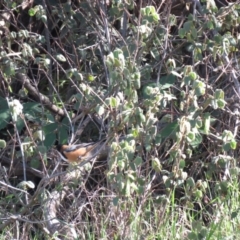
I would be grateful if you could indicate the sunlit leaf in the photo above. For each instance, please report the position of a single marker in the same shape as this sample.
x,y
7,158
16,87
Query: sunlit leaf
x,y
60,58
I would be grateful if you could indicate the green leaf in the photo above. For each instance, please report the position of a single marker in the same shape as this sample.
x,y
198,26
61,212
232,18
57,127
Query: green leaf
x,y
138,161
9,69
199,193
187,26
172,20
116,12
190,136
219,94
210,25
170,129
187,80
137,83
234,214
190,182
141,118
181,32
32,12
156,165
24,34
182,164
176,74
90,78
118,53
149,10
100,110
214,104
198,54
218,39
194,32
44,18
198,123
148,90
155,18
143,11
31,111
60,58
39,135
13,35
4,113
197,141
115,201
167,81
221,103
46,61
50,128
35,163
42,149
192,76
78,76
32,106
158,139
233,144
2,143
20,124
199,87
50,140
113,102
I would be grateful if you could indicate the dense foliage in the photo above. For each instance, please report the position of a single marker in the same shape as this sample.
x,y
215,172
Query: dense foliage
x,y
158,80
